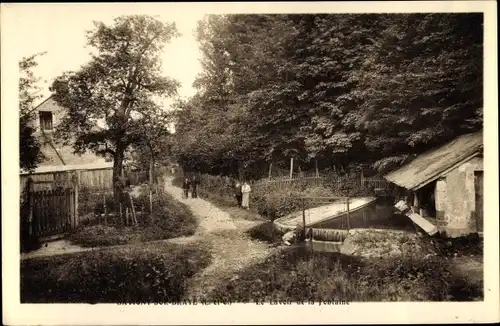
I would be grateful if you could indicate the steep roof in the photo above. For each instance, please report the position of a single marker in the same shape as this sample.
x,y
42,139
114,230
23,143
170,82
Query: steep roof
x,y
428,166
37,107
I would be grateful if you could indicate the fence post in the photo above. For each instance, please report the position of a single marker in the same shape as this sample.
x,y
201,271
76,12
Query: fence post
x,y
132,209
151,200
104,208
29,196
291,167
348,216
126,216
304,216
74,201
120,210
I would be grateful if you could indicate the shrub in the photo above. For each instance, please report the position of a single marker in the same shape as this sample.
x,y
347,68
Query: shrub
x,y
170,218
299,274
265,232
144,273
274,202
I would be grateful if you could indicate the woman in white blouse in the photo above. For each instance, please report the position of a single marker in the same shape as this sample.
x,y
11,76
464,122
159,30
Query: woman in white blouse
x,y
245,190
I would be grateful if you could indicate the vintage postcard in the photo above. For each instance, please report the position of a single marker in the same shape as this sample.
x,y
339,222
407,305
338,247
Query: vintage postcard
x,y
249,163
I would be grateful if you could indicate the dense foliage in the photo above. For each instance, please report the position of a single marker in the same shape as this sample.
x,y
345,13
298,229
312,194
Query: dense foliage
x,y
112,100
144,273
30,154
337,88
299,274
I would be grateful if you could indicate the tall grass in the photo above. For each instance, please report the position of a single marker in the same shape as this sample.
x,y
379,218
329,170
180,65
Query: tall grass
x,y
299,274
132,274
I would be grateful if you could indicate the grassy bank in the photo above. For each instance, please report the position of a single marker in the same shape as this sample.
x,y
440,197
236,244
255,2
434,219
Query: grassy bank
x,y
170,218
132,274
299,274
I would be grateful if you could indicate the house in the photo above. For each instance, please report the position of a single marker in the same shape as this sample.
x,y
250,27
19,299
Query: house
x,y
445,185
60,160
48,115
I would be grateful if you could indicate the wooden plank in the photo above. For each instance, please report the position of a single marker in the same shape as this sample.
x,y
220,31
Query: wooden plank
x,y
424,224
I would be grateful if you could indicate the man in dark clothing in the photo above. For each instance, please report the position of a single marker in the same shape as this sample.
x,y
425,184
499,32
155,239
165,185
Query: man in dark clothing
x,y
196,183
237,193
185,188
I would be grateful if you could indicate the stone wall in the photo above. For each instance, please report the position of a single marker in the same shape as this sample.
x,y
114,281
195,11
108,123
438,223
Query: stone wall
x,y
460,201
441,200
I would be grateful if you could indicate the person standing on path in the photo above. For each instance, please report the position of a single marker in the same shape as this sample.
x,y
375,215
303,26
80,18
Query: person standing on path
x,y
245,190
196,183
185,188
237,193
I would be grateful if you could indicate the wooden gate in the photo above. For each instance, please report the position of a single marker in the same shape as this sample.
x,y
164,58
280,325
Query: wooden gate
x,y
49,212
53,211
478,186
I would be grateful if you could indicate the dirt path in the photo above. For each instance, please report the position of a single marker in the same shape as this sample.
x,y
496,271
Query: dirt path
x,y
231,248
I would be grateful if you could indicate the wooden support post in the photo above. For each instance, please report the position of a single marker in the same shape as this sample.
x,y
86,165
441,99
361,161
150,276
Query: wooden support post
x,y
416,204
151,201
30,207
270,170
76,191
291,167
316,167
104,208
120,212
151,172
132,209
304,216
348,215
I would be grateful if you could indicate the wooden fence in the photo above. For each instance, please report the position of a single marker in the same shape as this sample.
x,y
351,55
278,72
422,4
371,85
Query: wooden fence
x,y
330,180
95,178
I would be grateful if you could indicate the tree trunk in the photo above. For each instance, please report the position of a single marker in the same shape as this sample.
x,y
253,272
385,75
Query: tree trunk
x,y
117,175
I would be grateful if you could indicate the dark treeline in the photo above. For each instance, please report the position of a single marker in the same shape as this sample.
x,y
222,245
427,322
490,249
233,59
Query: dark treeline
x,y
341,89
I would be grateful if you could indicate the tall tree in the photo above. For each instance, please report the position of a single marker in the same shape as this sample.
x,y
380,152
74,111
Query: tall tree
x,y
423,78
29,146
156,141
110,97
344,88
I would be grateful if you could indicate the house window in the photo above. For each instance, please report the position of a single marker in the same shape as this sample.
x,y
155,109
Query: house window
x,y
45,120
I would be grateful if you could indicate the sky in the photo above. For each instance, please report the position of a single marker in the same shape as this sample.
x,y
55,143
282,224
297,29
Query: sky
x,y
60,30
